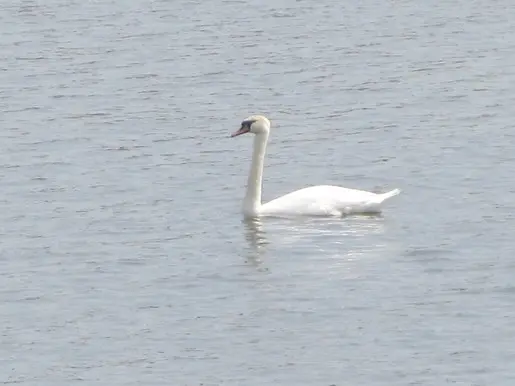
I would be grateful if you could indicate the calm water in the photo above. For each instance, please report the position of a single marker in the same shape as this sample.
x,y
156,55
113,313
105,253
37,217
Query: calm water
x,y
124,259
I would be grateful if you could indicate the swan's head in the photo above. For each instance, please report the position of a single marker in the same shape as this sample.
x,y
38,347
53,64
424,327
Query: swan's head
x,y
255,124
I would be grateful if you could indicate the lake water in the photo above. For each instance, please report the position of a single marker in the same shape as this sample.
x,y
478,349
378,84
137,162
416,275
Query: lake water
x,y
124,258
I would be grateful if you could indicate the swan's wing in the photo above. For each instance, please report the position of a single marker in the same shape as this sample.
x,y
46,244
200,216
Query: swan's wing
x,y
324,200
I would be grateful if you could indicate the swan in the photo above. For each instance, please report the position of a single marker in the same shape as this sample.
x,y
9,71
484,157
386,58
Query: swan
x,y
322,200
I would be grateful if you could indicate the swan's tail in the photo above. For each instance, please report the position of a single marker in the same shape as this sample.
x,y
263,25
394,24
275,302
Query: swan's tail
x,y
384,196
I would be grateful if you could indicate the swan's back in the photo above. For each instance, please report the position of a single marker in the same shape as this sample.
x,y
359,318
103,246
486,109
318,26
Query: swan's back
x,y
323,200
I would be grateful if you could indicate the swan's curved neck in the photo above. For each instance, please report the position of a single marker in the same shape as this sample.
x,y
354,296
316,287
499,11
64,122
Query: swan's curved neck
x,y
252,200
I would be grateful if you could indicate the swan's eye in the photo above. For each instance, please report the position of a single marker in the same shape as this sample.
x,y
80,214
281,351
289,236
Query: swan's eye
x,y
247,124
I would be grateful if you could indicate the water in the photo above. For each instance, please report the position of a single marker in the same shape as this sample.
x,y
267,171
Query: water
x,y
124,259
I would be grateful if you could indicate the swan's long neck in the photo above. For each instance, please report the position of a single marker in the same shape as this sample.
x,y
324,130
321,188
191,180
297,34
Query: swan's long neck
x,y
252,200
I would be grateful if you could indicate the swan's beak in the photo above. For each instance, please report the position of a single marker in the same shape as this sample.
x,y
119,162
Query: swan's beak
x,y
241,131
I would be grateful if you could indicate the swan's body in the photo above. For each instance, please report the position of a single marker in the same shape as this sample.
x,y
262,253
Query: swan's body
x,y
326,200
322,200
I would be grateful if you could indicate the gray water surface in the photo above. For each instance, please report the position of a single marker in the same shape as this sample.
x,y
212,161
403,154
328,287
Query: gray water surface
x,y
124,259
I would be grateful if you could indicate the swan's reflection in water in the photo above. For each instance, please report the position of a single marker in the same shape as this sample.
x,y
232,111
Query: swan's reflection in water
x,y
343,239
255,236
255,233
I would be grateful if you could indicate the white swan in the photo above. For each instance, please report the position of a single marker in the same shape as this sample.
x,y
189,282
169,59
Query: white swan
x,y
322,200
